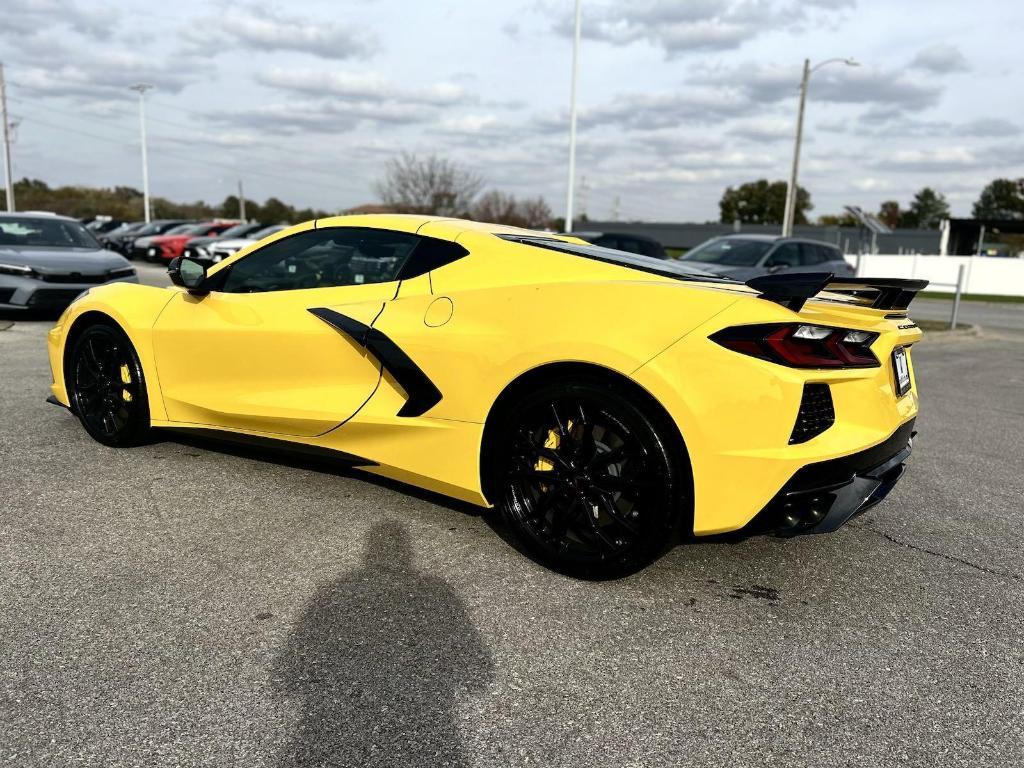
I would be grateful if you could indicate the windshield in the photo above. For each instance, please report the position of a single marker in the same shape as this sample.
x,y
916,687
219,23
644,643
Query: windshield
x,y
181,229
664,267
729,252
45,233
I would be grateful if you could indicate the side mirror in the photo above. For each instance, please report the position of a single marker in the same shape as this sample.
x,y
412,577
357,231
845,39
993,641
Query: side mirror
x,y
776,266
187,273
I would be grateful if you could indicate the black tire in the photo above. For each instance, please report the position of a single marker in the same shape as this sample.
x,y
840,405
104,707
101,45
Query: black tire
x,y
106,387
585,481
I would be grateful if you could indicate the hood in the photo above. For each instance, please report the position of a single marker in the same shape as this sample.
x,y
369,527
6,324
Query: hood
x,y
62,260
161,239
204,240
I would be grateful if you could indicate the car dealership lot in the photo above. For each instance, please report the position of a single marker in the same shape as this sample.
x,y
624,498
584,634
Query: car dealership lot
x,y
184,604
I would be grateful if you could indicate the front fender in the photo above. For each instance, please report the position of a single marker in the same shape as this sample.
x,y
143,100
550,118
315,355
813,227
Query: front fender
x,y
134,308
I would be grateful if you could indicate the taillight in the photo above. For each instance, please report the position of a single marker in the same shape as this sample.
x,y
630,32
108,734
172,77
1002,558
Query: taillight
x,y
801,346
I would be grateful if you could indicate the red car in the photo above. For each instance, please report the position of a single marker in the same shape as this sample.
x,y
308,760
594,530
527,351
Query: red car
x,y
167,247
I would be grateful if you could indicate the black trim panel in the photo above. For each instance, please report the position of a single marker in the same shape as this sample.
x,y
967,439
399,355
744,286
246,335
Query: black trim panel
x,y
421,393
273,445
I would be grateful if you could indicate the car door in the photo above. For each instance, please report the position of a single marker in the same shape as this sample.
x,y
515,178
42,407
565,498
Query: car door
x,y
264,351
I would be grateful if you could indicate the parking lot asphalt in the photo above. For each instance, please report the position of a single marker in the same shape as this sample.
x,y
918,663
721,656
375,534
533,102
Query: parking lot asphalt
x,y
180,604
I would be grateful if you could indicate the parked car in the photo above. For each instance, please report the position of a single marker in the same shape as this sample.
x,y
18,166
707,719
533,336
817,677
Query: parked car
x,y
100,224
742,257
619,241
125,242
140,245
605,403
221,249
46,261
196,248
170,245
111,240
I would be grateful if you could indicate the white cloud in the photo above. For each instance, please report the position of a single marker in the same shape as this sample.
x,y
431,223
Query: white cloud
x,y
940,59
257,28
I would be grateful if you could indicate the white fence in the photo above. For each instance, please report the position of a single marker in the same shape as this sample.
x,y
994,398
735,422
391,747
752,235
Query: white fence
x,y
1004,277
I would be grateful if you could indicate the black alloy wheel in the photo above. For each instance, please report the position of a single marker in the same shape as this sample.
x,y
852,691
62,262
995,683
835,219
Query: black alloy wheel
x,y
107,388
587,484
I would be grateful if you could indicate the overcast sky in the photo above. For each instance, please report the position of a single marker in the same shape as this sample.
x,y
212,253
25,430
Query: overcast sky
x,y
678,98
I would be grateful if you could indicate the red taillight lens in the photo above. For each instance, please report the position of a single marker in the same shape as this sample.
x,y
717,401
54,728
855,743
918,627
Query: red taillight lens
x,y
802,346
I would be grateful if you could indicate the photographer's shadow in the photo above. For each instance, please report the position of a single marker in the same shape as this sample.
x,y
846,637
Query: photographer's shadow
x,y
377,663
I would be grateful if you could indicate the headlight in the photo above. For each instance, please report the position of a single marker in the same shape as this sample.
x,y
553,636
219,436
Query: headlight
x,y
201,250
121,272
151,252
17,269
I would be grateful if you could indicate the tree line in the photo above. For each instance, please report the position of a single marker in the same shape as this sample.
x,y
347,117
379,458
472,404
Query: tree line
x,y
125,204
763,202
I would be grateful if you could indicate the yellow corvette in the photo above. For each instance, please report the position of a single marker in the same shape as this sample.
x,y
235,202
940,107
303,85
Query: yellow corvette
x,y
605,403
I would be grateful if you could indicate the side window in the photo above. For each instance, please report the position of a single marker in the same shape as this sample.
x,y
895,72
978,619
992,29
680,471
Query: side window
x,y
322,258
813,254
787,254
630,245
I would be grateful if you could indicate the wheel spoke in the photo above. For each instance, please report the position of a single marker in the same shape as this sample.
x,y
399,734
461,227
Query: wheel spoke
x,y
616,483
608,505
537,475
561,426
91,360
614,456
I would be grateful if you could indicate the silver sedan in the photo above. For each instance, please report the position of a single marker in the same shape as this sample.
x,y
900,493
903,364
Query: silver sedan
x,y
47,260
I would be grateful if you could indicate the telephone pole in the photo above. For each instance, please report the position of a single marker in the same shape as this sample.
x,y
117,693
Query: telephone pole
x,y
141,88
241,201
8,173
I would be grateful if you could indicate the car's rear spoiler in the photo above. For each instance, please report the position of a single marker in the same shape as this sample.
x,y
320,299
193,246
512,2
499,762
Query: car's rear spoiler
x,y
792,290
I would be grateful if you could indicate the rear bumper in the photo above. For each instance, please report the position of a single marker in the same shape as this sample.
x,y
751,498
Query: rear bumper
x,y
823,496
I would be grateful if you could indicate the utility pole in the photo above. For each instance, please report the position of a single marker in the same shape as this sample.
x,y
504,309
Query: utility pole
x,y
572,120
241,201
8,173
789,214
141,88
791,193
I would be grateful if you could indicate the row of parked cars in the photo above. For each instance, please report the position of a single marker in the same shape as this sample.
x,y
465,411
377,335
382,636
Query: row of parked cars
x,y
162,240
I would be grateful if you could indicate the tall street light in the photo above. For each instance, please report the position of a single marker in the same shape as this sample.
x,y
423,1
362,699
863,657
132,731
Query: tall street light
x,y
572,121
142,88
789,214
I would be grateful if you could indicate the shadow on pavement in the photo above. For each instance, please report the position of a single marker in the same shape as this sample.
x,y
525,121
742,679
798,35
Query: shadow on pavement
x,y
377,663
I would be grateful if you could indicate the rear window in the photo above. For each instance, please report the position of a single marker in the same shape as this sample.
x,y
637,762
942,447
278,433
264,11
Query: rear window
x,y
620,258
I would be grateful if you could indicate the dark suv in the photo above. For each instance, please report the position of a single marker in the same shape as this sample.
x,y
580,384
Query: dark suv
x,y
742,257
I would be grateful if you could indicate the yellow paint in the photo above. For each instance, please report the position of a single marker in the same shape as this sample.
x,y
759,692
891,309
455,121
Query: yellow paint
x,y
261,364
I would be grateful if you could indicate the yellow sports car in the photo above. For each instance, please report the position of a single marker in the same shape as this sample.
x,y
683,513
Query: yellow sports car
x,y
605,403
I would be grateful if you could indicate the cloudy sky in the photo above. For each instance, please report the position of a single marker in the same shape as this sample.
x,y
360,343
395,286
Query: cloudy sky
x,y
678,98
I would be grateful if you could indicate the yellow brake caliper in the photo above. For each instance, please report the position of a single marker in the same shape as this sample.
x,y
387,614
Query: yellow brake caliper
x,y
126,378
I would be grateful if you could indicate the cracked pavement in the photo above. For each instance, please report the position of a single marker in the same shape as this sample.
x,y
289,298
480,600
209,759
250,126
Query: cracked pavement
x,y
182,605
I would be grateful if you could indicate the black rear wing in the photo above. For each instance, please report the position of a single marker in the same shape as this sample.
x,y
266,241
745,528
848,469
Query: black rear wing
x,y
793,290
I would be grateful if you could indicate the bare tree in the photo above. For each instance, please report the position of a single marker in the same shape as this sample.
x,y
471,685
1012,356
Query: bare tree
x,y
497,208
501,208
535,213
432,185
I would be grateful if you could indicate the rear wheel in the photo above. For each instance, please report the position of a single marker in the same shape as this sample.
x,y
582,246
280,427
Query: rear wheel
x,y
584,480
107,388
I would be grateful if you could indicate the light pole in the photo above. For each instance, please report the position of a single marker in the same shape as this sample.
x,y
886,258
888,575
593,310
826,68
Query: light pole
x,y
572,120
789,214
8,172
142,88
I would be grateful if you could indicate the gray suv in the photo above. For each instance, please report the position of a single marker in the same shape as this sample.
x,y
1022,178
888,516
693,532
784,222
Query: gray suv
x,y
48,260
742,257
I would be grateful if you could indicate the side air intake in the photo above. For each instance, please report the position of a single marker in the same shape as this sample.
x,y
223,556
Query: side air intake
x,y
816,413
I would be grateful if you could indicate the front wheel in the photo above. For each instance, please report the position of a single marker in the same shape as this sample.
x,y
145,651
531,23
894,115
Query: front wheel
x,y
585,482
106,387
